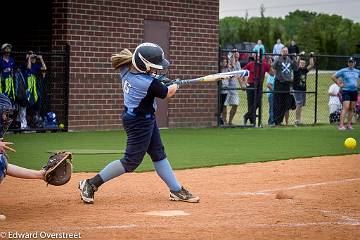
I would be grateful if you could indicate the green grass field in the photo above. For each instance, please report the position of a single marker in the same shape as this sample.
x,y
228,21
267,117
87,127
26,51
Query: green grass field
x,y
189,148
308,114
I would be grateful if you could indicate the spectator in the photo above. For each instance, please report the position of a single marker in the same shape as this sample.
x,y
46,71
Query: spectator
x,y
259,47
334,103
277,47
255,83
232,98
223,91
34,72
284,68
299,86
347,80
7,66
293,48
270,87
236,60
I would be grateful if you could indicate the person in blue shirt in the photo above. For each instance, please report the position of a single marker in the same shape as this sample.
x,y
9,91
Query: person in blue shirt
x,y
270,87
140,87
347,80
7,65
259,47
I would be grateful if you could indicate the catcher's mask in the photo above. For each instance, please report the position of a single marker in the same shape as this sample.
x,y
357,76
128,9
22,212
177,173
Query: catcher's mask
x,y
7,114
147,56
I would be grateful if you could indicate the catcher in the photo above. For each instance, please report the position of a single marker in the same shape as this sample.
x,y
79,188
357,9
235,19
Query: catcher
x,y
56,172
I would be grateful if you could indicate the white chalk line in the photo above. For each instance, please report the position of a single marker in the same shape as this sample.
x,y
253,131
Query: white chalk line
x,y
125,226
295,225
270,191
342,220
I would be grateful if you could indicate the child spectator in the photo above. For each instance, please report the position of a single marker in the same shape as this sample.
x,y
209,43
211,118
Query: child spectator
x,y
270,87
334,103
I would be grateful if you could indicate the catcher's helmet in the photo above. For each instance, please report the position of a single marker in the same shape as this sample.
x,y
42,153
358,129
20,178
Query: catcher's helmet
x,y
149,55
7,114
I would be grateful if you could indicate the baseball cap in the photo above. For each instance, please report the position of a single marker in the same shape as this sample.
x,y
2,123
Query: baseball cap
x,y
351,59
5,45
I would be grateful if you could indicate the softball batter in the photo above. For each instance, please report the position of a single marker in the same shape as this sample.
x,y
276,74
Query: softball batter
x,y
140,88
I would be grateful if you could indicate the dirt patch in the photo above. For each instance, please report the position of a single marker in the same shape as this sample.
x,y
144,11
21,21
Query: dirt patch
x,y
237,202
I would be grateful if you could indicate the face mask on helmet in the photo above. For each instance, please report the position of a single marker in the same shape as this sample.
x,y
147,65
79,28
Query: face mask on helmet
x,y
6,119
148,58
7,114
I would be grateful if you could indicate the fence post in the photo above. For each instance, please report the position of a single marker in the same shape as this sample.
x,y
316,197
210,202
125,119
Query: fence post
x,y
259,91
66,85
316,92
219,86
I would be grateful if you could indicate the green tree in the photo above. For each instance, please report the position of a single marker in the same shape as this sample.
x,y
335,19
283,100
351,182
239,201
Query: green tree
x,y
322,33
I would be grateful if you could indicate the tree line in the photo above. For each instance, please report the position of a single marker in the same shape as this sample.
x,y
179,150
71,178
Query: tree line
x,y
317,32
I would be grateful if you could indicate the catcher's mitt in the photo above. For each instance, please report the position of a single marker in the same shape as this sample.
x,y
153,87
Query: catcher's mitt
x,y
58,169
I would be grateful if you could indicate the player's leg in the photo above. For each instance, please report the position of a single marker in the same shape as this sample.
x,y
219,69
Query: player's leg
x,y
165,171
139,131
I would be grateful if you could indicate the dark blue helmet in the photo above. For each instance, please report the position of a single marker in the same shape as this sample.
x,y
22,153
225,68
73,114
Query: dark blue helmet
x,y
7,114
149,55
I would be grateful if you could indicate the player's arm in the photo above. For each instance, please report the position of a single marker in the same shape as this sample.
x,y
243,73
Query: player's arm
x,y
159,90
172,90
25,173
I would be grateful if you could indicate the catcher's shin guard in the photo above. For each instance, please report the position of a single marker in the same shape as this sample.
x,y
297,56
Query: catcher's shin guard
x,y
87,191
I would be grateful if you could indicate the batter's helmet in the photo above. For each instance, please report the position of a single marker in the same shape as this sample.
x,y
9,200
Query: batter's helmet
x,y
7,114
149,55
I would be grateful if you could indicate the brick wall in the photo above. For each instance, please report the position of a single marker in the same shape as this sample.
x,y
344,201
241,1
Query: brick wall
x,y
97,29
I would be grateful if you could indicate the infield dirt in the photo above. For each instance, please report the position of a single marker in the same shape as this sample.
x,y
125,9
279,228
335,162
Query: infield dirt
x,y
237,202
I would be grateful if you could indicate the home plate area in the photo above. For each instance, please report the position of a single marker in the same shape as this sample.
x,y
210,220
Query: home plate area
x,y
170,213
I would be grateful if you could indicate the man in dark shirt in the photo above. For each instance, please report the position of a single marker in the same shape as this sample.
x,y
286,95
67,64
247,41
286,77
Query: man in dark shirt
x,y
283,67
299,86
255,80
293,48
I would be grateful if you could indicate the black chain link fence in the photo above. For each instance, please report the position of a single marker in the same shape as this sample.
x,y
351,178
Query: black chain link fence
x,y
315,111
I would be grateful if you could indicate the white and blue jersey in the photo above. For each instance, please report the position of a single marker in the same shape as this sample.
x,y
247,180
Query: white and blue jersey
x,y
143,135
140,90
350,77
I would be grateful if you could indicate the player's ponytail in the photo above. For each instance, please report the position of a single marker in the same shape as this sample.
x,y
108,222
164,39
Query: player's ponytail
x,y
119,59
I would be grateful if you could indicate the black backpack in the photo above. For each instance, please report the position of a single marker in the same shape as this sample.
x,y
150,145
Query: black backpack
x,y
20,87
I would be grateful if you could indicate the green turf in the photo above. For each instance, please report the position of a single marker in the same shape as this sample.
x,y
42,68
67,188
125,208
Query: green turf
x,y
190,148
